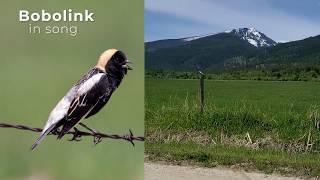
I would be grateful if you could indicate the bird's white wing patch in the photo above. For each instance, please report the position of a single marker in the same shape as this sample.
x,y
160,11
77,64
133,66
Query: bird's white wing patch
x,y
87,85
61,109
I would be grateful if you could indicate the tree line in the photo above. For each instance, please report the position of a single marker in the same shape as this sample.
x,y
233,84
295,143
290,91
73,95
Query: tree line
x,y
309,73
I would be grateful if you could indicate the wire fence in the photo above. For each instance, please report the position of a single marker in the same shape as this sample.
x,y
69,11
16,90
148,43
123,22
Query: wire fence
x,y
77,134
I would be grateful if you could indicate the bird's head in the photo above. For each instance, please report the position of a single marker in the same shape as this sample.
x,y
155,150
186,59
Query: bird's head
x,y
114,62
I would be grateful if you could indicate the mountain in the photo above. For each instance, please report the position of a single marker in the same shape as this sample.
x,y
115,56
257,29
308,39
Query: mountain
x,y
209,52
243,48
297,54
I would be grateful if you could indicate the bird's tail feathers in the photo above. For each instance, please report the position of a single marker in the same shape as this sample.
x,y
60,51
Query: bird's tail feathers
x,y
42,136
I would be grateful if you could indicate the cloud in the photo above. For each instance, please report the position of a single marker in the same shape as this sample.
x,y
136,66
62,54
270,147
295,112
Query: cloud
x,y
233,14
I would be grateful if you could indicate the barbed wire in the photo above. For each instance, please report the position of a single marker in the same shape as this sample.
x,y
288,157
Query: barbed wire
x,y
77,134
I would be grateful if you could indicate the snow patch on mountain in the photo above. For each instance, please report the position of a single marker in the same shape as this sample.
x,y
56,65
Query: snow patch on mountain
x,y
253,42
253,36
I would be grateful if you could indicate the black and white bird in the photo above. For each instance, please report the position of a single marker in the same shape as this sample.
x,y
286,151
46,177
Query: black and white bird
x,y
88,95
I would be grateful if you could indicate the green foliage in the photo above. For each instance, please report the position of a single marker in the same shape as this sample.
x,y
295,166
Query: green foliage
x,y
280,74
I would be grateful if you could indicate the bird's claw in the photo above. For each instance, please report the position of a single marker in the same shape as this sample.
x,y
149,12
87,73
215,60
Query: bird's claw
x,y
76,136
97,139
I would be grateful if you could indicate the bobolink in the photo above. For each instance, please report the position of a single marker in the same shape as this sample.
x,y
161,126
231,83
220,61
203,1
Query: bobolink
x,y
88,95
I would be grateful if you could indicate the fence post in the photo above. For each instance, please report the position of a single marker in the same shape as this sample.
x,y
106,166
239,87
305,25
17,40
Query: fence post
x,y
201,91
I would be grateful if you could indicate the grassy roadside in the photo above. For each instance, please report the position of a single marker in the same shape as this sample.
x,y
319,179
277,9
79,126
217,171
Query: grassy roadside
x,y
267,126
268,161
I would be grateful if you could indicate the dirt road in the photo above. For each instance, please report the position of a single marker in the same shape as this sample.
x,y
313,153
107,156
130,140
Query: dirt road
x,y
154,171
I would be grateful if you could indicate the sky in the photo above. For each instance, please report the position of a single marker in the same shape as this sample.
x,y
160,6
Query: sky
x,y
281,20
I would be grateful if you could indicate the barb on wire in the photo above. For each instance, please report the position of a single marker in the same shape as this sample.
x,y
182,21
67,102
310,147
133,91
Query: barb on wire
x,y
97,136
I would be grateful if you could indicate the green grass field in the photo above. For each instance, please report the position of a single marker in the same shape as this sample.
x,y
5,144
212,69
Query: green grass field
x,y
253,115
37,70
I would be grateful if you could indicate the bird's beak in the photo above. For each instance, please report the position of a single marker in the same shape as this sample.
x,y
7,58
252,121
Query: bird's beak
x,y
126,65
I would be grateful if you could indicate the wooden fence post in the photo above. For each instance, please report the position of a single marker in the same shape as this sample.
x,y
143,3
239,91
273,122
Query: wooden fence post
x,y
201,91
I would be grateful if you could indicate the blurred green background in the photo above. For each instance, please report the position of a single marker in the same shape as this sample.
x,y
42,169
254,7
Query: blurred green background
x,y
36,70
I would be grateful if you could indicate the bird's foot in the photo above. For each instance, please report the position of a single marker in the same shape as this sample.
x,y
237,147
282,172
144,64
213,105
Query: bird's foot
x,y
97,139
76,136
